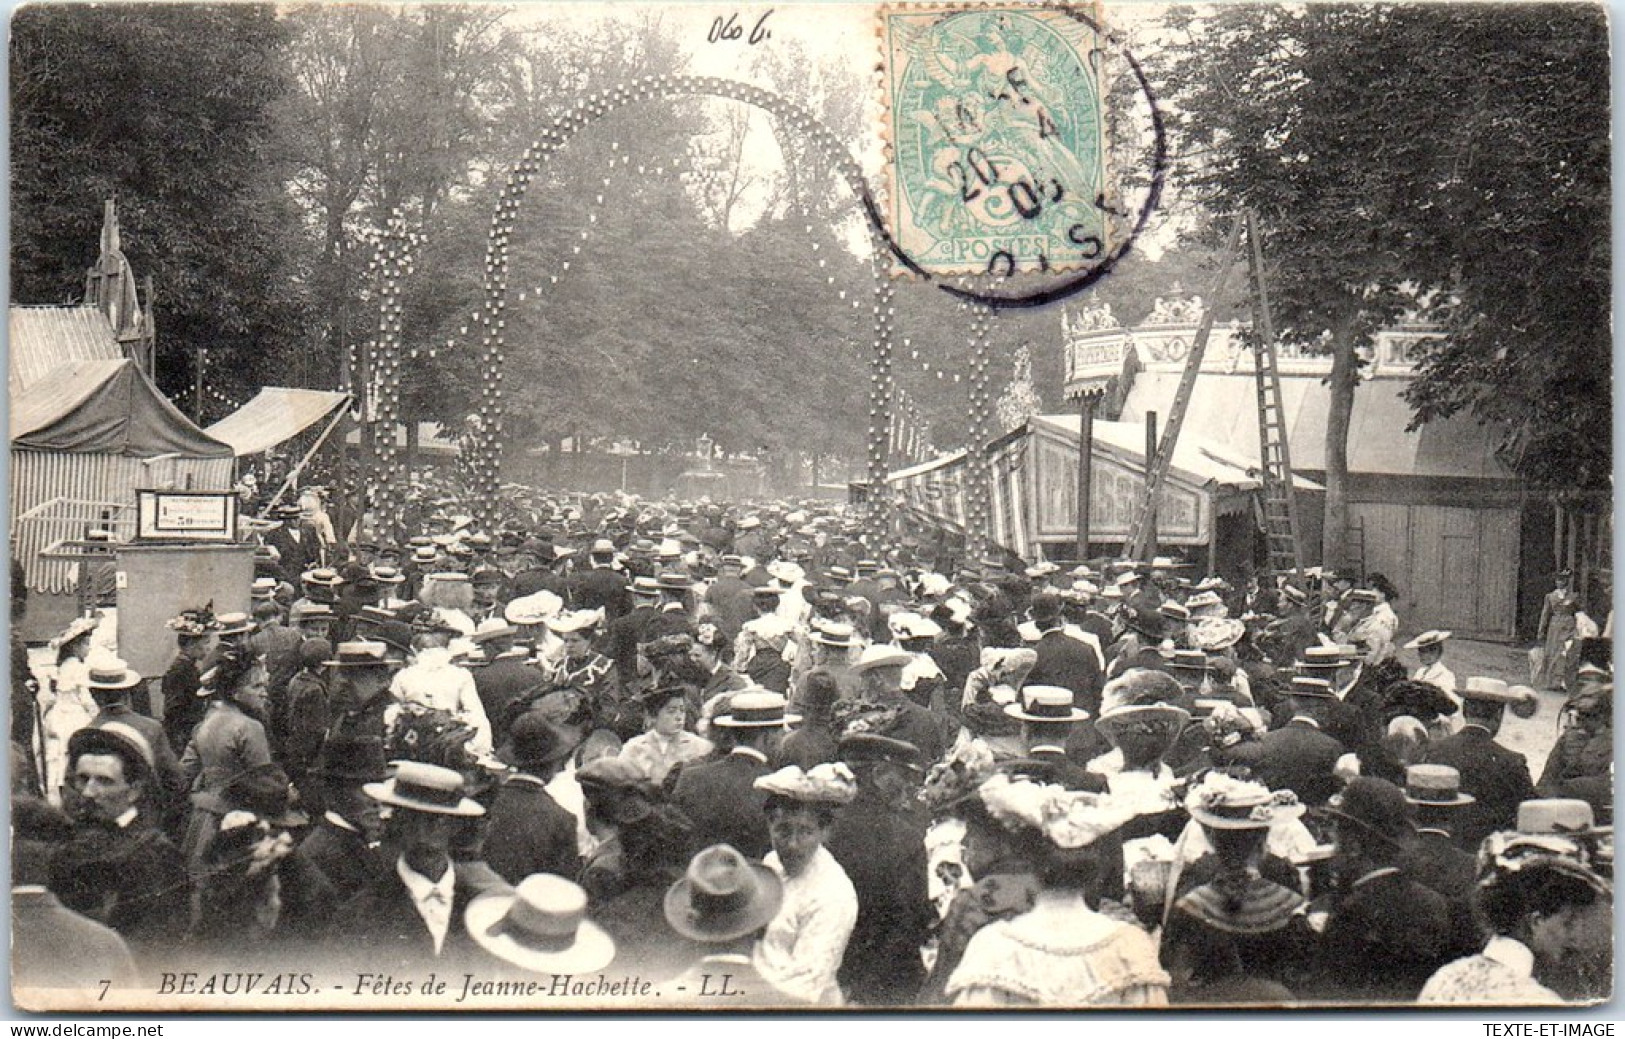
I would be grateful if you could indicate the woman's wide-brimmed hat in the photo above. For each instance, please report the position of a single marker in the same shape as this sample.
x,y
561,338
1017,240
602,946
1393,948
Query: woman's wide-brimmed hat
x,y
575,620
723,896
535,741
1223,802
233,624
542,927
1141,696
1375,807
533,609
1211,634
425,788
830,783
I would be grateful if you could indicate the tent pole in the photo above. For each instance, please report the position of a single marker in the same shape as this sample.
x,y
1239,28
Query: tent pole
x,y
293,474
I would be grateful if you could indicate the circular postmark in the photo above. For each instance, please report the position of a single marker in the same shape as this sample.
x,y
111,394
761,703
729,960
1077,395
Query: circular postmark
x,y
998,152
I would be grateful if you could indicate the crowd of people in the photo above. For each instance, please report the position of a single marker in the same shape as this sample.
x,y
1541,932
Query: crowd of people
x,y
688,742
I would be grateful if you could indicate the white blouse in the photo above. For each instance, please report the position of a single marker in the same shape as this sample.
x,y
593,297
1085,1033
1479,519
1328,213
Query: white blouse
x,y
803,947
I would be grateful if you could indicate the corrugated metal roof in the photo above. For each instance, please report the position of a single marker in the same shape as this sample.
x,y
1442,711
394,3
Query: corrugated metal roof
x,y
43,338
276,414
1224,409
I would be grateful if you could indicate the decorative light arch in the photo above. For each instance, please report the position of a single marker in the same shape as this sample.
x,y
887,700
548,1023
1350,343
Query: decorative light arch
x,y
486,435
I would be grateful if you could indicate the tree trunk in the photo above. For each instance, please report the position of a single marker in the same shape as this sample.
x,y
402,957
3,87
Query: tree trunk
x,y
1340,409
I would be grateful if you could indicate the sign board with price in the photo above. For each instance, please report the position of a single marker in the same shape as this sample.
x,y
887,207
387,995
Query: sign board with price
x,y
186,516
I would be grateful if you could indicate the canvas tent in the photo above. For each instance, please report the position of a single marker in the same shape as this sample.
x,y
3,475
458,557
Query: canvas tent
x,y
85,436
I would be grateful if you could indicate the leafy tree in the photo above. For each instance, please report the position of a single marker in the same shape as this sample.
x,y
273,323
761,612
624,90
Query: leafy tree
x,y
166,107
1368,141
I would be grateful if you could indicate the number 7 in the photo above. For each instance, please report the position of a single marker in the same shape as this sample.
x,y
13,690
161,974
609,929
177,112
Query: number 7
x,y
106,984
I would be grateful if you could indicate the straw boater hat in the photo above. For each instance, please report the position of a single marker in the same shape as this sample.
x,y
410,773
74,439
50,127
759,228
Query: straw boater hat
x,y
360,654
425,788
542,927
1437,786
723,896
233,624
1311,687
1046,703
263,588
841,636
645,586
382,574
1427,639
1189,660
321,577
755,708
109,673
1522,699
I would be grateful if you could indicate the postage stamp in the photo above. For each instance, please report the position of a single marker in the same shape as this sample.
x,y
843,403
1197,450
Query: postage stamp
x,y
994,129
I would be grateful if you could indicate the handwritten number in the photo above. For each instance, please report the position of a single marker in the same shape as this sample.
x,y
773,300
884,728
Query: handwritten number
x,y
729,29
105,984
759,32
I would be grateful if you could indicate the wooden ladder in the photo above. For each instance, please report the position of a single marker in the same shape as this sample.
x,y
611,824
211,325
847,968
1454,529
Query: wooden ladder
x,y
1275,457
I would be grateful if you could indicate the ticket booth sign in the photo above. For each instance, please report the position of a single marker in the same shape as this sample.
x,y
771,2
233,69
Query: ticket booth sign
x,y
186,516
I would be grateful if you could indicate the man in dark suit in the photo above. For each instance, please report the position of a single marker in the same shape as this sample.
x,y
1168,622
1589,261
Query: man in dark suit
x,y
343,843
1497,778
1386,934
409,920
1298,756
118,868
506,679
110,683
626,633
727,603
298,545
602,586
718,796
1433,859
879,840
1063,660
529,832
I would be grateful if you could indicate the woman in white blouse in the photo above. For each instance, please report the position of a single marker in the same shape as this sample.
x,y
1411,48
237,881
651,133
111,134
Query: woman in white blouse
x,y
802,949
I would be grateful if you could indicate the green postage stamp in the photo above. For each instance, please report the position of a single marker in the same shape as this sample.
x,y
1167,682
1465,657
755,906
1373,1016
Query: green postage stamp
x,y
994,131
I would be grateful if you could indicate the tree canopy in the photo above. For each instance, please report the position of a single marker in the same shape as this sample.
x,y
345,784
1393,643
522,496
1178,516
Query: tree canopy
x,y
1448,162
